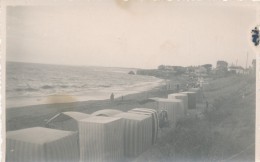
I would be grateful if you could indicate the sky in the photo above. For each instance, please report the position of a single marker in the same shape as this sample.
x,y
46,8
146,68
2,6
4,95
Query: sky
x,y
118,33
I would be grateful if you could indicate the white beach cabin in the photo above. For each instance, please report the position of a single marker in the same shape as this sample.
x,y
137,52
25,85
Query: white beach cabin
x,y
191,99
137,133
155,120
66,120
41,144
106,112
174,108
101,139
180,96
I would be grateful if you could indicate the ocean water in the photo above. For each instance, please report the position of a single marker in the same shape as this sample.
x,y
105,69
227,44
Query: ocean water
x,y
32,84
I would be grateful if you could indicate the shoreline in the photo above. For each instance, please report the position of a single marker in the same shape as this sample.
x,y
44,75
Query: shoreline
x,y
227,116
37,115
91,95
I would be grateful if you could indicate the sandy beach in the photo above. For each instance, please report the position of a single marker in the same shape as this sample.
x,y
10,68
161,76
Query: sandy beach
x,y
37,115
199,138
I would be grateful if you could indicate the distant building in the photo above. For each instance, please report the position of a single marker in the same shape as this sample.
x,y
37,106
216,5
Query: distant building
x,y
190,69
222,67
208,67
201,71
236,69
179,69
167,67
175,69
161,67
200,81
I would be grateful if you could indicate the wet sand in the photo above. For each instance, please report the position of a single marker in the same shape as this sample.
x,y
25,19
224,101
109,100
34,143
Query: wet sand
x,y
37,115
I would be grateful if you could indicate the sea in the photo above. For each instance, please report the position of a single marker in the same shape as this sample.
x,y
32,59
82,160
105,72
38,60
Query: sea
x,y
34,84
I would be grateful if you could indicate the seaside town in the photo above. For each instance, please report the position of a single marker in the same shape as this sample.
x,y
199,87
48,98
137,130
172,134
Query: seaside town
x,y
199,113
130,81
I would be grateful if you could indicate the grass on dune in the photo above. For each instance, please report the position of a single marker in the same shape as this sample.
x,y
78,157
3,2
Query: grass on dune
x,y
226,133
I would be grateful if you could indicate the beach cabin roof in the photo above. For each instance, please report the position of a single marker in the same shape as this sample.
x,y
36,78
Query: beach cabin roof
x,y
37,135
41,144
66,120
177,94
106,112
99,119
188,92
76,115
165,100
194,89
101,139
145,110
131,116
67,116
154,99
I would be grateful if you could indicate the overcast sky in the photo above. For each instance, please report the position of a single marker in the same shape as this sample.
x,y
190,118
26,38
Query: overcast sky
x,y
130,34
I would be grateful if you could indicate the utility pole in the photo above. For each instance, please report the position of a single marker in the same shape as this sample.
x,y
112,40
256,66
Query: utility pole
x,y
246,62
246,59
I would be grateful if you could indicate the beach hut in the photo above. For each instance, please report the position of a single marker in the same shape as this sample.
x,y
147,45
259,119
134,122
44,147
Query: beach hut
x,y
106,112
191,99
101,139
41,144
181,96
155,120
199,95
150,103
137,133
174,108
66,120
194,89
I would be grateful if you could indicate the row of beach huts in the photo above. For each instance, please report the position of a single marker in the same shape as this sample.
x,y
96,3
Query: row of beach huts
x,y
105,135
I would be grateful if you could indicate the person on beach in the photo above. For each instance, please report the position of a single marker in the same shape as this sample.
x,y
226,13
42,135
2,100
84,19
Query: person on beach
x,y
112,97
163,119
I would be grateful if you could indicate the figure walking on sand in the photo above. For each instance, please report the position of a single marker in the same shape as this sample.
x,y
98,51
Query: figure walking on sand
x,y
178,87
207,106
112,97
